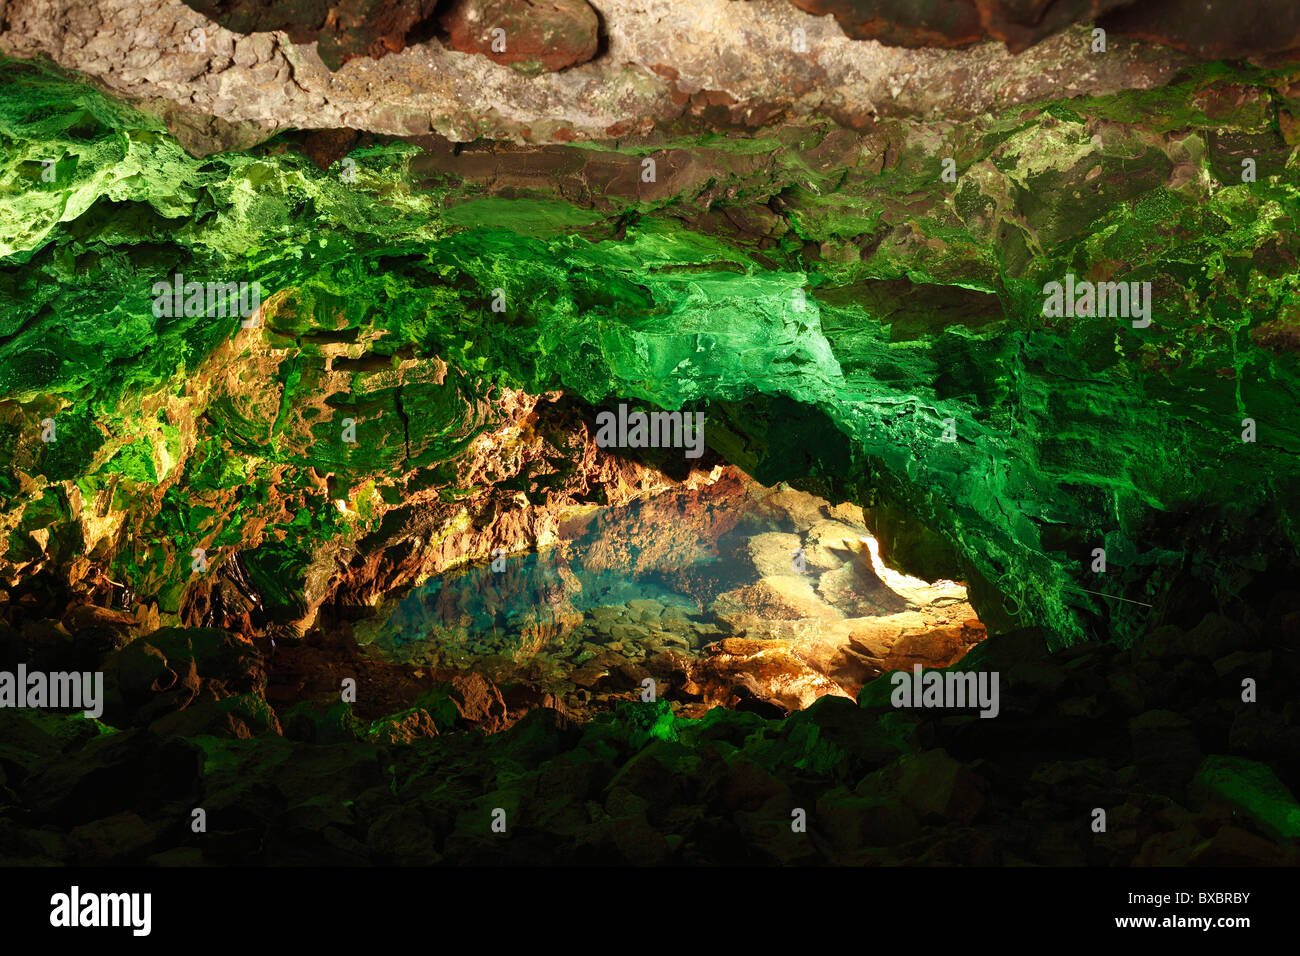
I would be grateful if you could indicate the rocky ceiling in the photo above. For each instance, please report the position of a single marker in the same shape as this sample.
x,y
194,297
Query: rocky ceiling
x,y
629,68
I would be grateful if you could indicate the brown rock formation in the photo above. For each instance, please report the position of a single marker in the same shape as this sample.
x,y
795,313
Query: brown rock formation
x,y
1213,30
533,37
341,29
670,65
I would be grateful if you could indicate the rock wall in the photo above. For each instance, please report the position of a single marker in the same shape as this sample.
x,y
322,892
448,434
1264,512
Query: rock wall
x,y
667,64
838,307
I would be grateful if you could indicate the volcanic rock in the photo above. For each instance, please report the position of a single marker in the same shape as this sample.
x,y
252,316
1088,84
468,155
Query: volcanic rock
x,y
536,35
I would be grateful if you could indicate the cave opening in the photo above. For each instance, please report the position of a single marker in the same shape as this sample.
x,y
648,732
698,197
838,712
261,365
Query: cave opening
x,y
712,591
578,577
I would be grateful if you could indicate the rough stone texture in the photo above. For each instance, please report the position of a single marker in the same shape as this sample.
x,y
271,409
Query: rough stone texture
x,y
668,63
1218,29
341,29
1214,29
644,784
826,293
537,35
957,22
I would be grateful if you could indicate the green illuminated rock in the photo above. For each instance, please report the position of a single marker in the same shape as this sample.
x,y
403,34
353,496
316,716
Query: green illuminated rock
x,y
1253,790
833,304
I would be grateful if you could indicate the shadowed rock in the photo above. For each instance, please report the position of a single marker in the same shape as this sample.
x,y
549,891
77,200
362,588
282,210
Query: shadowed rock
x,y
533,36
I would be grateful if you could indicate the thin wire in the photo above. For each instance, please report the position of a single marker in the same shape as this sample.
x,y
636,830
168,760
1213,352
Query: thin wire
x,y
1112,596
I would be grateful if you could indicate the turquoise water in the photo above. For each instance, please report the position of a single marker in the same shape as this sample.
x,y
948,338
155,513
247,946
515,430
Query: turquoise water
x,y
675,554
